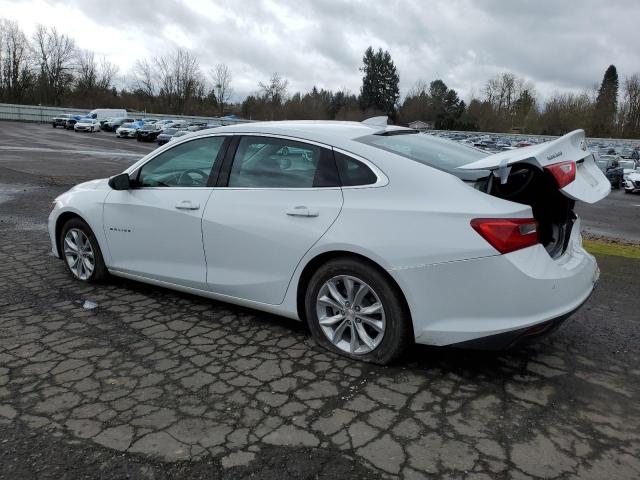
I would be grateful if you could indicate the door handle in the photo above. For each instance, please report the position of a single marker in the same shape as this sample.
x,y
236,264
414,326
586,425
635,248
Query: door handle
x,y
187,205
302,211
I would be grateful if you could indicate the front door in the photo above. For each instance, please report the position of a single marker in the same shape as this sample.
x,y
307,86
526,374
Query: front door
x,y
281,196
155,229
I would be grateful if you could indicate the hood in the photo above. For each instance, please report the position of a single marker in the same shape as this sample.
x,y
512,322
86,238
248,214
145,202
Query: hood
x,y
99,184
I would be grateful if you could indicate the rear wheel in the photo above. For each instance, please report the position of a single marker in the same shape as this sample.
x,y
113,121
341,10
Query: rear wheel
x,y
354,310
81,252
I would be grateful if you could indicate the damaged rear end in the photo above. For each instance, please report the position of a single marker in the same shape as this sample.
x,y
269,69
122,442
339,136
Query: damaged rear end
x,y
549,177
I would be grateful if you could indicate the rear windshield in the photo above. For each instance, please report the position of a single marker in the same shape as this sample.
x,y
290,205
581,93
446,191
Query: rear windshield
x,y
427,149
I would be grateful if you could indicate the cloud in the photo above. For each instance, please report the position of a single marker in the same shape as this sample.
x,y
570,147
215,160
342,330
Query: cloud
x,y
555,45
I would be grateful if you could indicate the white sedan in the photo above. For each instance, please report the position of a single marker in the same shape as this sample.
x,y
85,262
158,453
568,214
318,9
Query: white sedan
x,y
375,235
87,125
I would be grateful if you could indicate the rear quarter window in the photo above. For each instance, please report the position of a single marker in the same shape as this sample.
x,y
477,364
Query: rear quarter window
x,y
353,172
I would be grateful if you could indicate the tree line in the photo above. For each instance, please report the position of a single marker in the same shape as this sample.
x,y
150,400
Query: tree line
x,y
48,68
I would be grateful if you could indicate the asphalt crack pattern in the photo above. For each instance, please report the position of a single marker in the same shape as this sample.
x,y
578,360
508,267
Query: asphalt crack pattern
x,y
157,374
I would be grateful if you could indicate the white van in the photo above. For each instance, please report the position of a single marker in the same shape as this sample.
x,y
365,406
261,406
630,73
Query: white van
x,y
103,113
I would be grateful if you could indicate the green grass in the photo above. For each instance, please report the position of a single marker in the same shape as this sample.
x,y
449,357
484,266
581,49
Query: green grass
x,y
600,247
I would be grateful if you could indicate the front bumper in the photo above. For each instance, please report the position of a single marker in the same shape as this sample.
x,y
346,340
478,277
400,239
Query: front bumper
x,y
632,186
461,301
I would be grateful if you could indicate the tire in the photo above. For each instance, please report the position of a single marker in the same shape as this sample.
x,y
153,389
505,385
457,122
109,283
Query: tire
x,y
384,346
99,271
53,125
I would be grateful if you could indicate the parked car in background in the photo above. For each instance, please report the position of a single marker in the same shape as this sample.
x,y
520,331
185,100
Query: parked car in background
x,y
195,126
71,121
178,134
632,182
166,123
148,132
105,113
61,120
87,125
113,124
128,130
165,135
610,166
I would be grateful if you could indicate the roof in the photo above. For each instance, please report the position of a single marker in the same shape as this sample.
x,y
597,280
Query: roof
x,y
325,131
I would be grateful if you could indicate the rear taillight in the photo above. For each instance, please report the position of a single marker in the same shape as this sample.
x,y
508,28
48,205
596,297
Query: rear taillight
x,y
563,172
507,234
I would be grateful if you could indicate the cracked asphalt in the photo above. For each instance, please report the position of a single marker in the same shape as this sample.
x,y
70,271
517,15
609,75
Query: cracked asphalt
x,y
157,384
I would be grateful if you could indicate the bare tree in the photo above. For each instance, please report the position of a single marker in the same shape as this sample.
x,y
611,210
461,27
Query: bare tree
x,y
86,71
15,73
631,107
180,79
275,89
55,54
221,76
144,78
106,74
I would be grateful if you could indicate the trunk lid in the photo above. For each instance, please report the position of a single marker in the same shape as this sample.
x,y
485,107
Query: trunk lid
x,y
590,184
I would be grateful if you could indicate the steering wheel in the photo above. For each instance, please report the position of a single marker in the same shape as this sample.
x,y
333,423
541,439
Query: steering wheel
x,y
185,177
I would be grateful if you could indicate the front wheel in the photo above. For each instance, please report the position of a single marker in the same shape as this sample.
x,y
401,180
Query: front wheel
x,y
81,252
353,309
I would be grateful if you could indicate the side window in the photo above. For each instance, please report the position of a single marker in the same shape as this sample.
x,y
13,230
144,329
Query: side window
x,y
353,172
268,162
186,165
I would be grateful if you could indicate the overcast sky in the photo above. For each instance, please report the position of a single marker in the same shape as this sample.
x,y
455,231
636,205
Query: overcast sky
x,y
558,45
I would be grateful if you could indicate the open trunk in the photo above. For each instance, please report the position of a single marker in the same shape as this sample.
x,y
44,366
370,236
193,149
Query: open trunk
x,y
549,178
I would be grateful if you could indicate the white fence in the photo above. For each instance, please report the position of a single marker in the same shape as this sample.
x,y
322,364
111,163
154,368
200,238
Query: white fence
x,y
39,114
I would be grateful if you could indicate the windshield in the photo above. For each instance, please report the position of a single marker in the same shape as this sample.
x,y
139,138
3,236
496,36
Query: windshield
x,y
427,149
127,125
180,133
169,131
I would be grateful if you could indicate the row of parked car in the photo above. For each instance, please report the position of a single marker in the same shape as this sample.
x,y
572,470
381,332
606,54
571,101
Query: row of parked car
x,y
125,126
620,171
618,161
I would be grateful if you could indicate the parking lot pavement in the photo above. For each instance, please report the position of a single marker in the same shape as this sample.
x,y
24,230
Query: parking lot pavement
x,y
158,384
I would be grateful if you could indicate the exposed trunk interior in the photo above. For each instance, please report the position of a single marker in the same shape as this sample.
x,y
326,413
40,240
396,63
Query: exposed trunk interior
x,y
530,185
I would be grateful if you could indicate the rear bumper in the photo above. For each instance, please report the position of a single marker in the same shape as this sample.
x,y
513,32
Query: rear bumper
x,y
514,338
463,301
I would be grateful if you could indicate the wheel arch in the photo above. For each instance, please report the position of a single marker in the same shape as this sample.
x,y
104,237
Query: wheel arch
x,y
312,266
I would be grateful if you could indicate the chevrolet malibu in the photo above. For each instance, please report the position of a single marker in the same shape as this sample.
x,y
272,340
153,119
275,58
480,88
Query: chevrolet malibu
x,y
376,236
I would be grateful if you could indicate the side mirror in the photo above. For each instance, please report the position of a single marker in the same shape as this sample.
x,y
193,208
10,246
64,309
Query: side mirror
x,y
120,182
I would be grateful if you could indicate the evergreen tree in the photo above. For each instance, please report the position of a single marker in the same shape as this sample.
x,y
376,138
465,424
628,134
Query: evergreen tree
x,y
380,82
606,104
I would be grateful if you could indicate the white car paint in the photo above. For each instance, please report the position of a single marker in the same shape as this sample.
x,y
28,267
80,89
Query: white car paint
x,y
632,182
128,131
87,125
414,222
105,113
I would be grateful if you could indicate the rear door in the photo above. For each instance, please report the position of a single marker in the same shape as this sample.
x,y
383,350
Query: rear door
x,y
276,197
590,184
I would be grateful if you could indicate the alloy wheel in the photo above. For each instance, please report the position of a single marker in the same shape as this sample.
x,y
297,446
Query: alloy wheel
x,y
79,253
351,314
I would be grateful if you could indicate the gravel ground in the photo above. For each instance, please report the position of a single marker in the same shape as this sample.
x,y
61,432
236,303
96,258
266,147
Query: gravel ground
x,y
157,384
